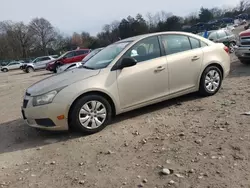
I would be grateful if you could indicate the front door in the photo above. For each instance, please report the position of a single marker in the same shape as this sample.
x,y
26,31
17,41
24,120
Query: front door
x,y
148,79
184,57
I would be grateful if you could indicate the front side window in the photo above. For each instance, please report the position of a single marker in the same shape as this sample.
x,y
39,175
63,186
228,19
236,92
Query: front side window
x,y
175,43
69,55
106,56
145,50
195,43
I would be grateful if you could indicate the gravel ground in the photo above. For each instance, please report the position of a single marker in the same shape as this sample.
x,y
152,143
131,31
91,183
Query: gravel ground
x,y
200,142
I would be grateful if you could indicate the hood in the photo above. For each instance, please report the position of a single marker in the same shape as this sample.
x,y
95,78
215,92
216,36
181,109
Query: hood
x,y
60,80
245,33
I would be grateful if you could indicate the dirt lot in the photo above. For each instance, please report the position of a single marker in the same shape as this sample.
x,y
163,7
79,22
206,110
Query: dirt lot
x,y
204,142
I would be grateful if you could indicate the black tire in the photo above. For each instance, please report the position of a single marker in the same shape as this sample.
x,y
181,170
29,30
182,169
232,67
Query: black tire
x,y
5,70
30,69
74,115
245,62
203,90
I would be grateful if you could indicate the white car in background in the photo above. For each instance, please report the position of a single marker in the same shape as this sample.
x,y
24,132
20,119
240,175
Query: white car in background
x,y
78,64
38,63
14,65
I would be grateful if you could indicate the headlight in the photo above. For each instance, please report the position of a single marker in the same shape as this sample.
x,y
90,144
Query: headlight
x,y
45,98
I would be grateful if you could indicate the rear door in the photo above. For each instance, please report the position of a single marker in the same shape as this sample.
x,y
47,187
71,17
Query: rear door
x,y
184,57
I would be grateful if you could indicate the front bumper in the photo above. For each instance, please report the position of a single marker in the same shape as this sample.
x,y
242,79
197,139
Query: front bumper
x,y
243,52
45,116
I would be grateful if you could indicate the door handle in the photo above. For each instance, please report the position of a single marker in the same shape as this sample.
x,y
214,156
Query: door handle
x,y
195,58
160,68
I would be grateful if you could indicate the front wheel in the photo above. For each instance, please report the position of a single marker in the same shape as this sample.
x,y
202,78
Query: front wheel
x,y
5,70
30,69
211,81
91,114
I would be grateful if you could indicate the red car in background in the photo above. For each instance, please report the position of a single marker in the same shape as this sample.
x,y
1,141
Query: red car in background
x,y
66,58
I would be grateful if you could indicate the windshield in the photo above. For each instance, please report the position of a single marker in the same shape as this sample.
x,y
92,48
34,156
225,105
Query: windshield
x,y
106,56
91,54
62,55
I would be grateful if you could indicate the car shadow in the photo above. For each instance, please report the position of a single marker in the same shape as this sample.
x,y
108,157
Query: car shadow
x,y
43,74
155,107
16,135
18,73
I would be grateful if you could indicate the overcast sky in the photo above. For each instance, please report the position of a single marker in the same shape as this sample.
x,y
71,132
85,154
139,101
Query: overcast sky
x,y
91,15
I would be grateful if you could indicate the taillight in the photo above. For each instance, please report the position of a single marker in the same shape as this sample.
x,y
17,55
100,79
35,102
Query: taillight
x,y
226,49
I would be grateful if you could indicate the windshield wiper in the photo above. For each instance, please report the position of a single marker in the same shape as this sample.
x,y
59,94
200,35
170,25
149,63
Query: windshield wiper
x,y
86,67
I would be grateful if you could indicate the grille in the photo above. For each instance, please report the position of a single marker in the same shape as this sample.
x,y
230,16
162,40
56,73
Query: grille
x,y
245,41
25,102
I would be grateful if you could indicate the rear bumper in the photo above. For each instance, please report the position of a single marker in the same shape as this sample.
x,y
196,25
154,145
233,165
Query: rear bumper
x,y
243,52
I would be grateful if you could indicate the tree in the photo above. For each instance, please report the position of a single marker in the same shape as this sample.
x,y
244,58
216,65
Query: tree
x,y
205,15
43,31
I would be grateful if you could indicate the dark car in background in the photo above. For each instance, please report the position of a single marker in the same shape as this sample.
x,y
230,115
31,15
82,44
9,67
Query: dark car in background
x,y
222,36
67,58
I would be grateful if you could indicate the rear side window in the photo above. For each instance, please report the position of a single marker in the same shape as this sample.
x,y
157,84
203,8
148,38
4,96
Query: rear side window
x,y
195,43
81,52
213,36
44,59
175,43
221,34
203,44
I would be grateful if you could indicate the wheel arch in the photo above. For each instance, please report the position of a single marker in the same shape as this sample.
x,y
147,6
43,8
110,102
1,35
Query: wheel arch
x,y
96,92
216,64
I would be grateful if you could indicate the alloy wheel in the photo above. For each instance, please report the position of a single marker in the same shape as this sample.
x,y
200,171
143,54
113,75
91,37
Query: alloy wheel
x,y
212,80
92,114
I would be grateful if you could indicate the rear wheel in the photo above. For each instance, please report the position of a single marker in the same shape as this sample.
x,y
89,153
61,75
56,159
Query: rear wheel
x,y
90,114
232,47
211,80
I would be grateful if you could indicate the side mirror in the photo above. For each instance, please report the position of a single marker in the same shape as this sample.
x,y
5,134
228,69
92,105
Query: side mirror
x,y
127,62
64,57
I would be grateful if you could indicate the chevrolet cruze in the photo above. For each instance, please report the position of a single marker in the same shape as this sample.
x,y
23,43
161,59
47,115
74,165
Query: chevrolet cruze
x,y
126,75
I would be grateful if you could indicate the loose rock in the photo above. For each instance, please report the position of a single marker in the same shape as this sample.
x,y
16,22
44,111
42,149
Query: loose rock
x,y
81,182
145,181
171,182
165,171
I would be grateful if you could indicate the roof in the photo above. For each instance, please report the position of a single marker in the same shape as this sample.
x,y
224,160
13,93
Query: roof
x,y
138,37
